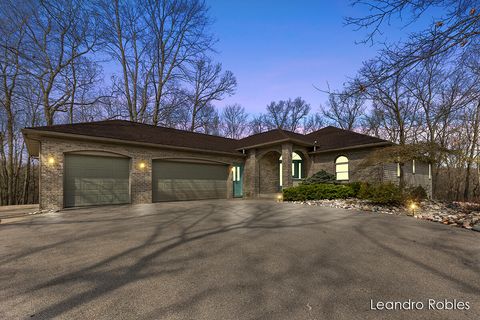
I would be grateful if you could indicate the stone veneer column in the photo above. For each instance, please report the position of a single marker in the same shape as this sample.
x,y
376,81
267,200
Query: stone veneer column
x,y
287,180
51,177
251,175
141,180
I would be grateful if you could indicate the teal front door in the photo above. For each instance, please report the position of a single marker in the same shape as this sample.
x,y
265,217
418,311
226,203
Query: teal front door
x,y
237,178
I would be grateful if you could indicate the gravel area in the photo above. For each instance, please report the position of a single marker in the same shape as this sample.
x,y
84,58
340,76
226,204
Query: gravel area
x,y
460,214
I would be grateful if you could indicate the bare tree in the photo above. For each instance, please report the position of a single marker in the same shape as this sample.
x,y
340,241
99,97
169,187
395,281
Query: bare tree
x,y
180,31
286,114
209,84
258,124
455,30
392,104
12,38
208,120
127,40
234,121
472,119
311,123
57,34
344,110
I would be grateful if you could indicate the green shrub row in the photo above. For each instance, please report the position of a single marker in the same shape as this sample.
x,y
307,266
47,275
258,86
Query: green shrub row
x,y
388,193
385,194
318,192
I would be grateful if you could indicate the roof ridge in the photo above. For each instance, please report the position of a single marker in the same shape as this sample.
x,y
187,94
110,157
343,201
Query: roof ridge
x,y
176,129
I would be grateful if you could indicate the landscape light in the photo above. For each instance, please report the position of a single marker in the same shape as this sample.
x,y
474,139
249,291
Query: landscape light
x,y
279,197
413,206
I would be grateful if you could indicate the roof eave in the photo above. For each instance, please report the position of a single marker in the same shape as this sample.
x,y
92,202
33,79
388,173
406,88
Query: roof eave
x,y
27,132
359,146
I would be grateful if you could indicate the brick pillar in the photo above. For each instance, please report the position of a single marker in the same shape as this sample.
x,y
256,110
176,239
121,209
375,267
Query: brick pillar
x,y
251,173
141,180
51,176
287,180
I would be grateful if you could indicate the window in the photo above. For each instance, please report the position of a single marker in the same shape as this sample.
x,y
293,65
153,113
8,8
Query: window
x,y
341,168
236,173
296,166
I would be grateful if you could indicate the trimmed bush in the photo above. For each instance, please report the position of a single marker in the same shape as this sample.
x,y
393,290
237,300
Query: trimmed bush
x,y
321,176
318,192
388,193
355,187
416,194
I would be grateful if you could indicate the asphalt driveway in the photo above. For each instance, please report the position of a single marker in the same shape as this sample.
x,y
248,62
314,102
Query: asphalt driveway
x,y
233,260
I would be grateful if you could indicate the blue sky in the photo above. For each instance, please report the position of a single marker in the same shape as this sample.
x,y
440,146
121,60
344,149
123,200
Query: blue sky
x,y
282,49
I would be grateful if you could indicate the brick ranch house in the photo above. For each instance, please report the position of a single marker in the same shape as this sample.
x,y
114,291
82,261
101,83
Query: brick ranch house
x,y
117,162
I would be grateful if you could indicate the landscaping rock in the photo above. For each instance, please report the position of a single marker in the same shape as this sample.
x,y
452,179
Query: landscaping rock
x,y
461,214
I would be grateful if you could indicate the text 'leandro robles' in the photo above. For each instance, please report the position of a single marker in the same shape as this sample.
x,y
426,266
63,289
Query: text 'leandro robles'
x,y
430,304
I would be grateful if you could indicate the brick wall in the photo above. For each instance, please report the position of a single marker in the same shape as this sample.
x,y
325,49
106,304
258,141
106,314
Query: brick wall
x,y
269,171
357,171
51,175
378,173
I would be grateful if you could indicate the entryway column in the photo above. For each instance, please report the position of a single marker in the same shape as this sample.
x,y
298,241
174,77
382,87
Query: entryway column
x,y
251,175
287,180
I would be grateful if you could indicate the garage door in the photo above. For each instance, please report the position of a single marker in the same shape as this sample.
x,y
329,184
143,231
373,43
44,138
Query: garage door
x,y
95,180
173,181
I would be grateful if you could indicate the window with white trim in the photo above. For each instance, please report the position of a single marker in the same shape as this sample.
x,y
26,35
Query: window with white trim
x,y
341,168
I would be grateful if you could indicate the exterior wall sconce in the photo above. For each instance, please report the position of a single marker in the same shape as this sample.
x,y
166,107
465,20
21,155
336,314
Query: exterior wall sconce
x,y
51,160
142,165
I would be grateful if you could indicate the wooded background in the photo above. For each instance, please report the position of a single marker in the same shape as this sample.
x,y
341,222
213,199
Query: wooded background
x,y
424,92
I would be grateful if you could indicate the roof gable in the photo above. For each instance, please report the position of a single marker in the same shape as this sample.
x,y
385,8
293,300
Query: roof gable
x,y
271,137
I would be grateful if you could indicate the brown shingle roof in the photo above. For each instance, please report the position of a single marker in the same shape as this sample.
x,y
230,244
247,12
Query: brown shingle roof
x,y
334,138
139,132
327,138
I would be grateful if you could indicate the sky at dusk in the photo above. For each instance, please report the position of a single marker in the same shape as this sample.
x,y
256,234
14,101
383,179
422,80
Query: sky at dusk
x,y
282,49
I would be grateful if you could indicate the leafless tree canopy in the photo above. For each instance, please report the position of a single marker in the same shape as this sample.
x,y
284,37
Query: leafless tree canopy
x,y
234,121
423,91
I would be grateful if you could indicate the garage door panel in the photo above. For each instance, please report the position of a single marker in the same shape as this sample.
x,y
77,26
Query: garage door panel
x,y
175,181
96,180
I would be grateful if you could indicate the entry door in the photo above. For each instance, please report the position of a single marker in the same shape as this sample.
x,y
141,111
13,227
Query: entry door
x,y
180,180
95,180
237,178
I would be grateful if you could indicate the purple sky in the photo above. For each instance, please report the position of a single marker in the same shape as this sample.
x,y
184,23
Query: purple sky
x,y
281,49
